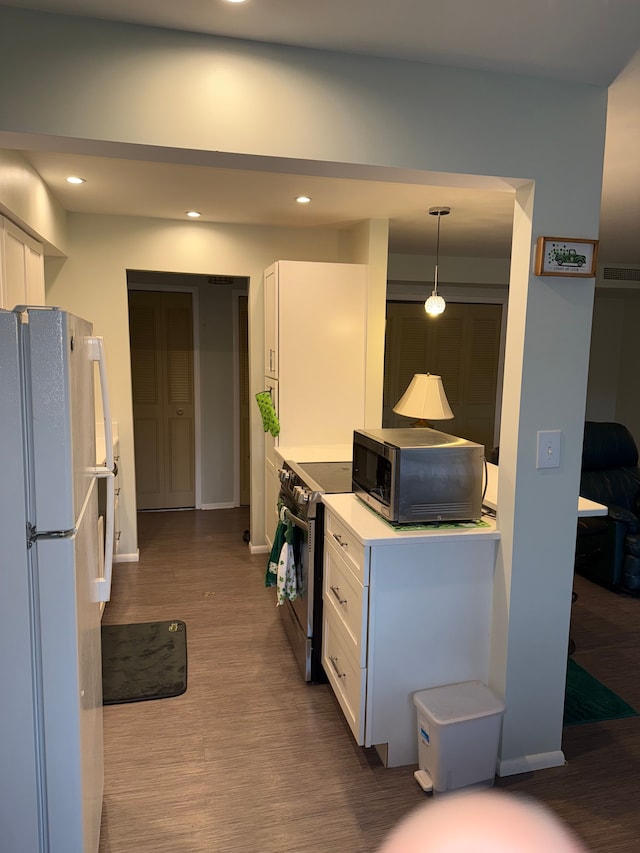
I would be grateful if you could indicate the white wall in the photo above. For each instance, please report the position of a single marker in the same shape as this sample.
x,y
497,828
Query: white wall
x,y
108,88
93,284
29,203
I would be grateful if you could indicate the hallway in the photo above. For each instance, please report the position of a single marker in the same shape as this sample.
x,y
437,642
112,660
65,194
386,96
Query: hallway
x,y
250,759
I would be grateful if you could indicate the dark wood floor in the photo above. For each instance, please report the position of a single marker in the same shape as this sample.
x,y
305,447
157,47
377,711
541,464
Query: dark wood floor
x,y
253,760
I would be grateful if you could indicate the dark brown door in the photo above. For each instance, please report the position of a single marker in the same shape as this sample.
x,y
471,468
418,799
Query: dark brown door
x,y
161,337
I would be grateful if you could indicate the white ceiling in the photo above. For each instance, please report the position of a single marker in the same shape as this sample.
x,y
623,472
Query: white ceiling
x,y
593,41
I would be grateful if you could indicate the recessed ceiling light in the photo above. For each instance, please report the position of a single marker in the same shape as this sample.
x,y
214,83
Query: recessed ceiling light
x,y
303,199
72,179
194,214
235,1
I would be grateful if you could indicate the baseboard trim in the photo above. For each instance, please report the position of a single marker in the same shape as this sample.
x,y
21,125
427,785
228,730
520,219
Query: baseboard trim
x,y
224,505
259,549
529,763
127,558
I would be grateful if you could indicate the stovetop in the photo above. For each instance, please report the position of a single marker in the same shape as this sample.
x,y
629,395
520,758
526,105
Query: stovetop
x,y
332,477
308,480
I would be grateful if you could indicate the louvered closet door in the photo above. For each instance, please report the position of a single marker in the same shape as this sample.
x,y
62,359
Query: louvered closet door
x,y
162,380
462,346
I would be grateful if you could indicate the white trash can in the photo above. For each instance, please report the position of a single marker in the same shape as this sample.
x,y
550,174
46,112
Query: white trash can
x,y
458,735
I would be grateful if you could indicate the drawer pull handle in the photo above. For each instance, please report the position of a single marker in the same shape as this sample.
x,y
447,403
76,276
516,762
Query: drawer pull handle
x,y
334,664
338,539
336,591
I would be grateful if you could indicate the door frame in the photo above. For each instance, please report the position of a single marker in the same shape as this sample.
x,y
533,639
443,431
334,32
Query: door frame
x,y
195,309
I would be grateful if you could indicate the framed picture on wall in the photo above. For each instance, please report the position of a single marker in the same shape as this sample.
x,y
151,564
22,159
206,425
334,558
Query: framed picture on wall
x,y
566,256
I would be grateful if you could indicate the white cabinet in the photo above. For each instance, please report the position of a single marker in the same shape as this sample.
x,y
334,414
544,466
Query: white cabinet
x,y
102,483
116,492
401,612
315,338
21,267
315,355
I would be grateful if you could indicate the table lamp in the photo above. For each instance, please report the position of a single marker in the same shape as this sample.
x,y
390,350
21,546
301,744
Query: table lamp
x,y
425,400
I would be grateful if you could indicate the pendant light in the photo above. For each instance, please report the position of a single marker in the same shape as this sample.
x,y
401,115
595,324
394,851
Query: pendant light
x,y
435,304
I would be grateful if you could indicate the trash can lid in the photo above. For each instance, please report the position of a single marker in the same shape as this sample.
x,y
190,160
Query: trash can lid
x,y
453,703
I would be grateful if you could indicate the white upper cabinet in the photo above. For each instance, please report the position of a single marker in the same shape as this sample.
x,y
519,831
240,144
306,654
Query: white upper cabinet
x,y
271,322
315,347
21,267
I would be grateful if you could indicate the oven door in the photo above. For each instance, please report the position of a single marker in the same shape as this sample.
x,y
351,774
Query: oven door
x,y
297,615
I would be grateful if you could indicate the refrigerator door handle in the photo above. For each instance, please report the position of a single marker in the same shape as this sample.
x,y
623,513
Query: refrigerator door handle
x,y
104,583
96,353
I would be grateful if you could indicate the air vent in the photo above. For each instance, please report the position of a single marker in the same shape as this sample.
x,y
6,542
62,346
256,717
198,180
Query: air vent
x,y
620,274
221,279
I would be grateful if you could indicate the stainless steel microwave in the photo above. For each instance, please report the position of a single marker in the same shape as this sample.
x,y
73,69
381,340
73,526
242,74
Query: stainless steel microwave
x,y
418,475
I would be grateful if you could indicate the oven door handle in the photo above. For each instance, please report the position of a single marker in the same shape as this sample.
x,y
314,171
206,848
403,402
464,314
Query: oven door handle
x,y
295,520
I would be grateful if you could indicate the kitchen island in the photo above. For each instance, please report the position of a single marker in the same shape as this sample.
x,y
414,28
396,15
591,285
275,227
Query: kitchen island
x,y
404,610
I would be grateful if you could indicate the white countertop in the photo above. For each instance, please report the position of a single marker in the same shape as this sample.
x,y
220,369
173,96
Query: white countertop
x,y
585,506
370,528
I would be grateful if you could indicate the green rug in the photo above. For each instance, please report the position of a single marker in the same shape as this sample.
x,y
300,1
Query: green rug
x,y
147,660
588,701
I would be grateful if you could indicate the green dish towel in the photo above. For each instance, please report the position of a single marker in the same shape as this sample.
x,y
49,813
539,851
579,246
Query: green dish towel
x,y
271,576
269,417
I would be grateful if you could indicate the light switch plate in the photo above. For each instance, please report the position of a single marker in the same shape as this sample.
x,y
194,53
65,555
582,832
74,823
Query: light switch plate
x,y
548,448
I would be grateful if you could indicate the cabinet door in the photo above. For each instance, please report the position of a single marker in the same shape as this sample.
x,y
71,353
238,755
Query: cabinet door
x,y
321,351
346,597
347,678
21,268
271,322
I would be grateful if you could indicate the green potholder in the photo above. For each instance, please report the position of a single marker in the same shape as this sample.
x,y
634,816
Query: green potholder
x,y
269,418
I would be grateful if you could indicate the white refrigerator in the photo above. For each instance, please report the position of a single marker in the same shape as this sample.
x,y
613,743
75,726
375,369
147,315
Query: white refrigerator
x,y
55,574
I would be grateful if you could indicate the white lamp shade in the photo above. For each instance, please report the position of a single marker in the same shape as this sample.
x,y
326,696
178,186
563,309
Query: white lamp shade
x,y
424,399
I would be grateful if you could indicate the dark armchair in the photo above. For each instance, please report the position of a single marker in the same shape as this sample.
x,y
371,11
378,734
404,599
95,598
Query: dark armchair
x,y
608,547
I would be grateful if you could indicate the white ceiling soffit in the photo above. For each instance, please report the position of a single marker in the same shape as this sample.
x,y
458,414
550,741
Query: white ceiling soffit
x,y
480,223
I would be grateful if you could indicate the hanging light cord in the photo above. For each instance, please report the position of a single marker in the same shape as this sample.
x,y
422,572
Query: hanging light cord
x,y
435,277
435,304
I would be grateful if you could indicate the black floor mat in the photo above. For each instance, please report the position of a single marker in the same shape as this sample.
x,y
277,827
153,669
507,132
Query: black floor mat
x,y
147,660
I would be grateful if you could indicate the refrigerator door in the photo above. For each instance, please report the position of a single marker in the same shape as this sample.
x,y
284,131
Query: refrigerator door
x,y
21,807
71,674
63,564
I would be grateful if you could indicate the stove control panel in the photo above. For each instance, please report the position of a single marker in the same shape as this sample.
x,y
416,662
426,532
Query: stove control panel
x,y
293,486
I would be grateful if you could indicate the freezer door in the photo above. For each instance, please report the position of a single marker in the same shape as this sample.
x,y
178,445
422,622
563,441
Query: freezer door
x,y
59,389
71,683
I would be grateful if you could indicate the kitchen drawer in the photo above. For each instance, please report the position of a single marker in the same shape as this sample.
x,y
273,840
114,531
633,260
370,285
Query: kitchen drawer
x,y
352,550
348,680
347,598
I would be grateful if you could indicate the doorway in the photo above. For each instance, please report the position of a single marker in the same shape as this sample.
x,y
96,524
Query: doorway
x,y
218,368
462,346
161,341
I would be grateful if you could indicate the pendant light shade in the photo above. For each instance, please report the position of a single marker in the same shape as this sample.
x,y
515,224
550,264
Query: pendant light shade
x,y
435,304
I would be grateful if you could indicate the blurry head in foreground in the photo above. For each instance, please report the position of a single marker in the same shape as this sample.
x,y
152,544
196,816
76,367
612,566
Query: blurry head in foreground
x,y
482,822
